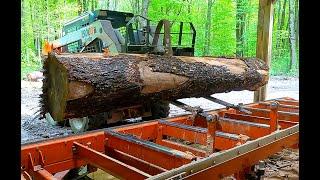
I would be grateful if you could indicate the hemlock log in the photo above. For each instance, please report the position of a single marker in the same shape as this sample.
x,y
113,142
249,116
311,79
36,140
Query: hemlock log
x,y
78,85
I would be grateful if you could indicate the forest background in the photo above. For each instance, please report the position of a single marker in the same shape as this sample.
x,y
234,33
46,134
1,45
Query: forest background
x,y
224,27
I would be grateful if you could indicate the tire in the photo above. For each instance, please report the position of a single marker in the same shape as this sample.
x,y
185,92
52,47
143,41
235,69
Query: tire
x,y
79,125
159,110
97,121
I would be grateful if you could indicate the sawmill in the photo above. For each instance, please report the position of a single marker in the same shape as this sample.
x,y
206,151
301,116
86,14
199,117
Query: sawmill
x,y
109,67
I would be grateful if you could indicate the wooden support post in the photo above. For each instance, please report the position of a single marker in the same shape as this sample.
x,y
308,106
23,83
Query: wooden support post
x,y
264,40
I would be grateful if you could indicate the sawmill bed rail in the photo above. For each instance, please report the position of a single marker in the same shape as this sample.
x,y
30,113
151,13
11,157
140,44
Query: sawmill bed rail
x,y
182,147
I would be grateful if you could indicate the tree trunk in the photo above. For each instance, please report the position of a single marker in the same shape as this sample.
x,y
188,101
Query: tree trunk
x,y
38,46
92,5
297,22
292,39
278,24
47,20
115,5
85,5
240,27
208,29
80,10
33,26
145,7
22,9
144,11
189,7
108,4
282,23
138,7
283,15
78,85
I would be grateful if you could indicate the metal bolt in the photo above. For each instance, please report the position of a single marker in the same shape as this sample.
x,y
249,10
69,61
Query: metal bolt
x,y
213,117
74,149
274,105
238,152
210,118
261,164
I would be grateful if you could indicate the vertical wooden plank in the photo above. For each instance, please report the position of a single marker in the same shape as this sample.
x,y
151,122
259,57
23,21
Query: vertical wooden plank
x,y
264,40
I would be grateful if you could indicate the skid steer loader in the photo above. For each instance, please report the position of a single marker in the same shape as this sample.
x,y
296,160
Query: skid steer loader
x,y
116,32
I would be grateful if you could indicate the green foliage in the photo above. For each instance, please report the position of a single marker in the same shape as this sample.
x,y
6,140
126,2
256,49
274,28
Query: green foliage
x,y
43,20
224,39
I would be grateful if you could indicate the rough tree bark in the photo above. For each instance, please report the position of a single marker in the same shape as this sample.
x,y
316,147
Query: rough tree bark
x,y
85,84
78,85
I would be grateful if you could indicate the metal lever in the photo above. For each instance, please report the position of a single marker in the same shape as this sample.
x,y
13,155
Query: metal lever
x,y
238,107
194,110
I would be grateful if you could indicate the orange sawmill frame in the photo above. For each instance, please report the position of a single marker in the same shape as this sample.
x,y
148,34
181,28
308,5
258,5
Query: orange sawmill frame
x,y
183,147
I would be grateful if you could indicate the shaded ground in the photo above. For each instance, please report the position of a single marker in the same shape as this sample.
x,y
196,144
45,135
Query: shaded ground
x,y
283,165
31,127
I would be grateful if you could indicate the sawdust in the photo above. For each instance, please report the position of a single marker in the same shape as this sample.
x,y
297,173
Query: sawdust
x,y
283,165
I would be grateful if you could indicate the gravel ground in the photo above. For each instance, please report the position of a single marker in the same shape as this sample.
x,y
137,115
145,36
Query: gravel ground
x,y
283,165
31,127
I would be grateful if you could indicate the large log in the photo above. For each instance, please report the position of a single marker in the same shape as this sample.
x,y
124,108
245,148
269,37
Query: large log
x,y
78,85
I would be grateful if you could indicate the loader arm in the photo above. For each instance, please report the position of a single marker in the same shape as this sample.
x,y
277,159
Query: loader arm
x,y
101,29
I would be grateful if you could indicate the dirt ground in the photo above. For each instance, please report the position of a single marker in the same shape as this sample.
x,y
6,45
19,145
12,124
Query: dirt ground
x,y
286,164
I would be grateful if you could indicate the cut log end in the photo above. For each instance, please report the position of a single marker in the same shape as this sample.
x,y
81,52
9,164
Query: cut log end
x,y
55,87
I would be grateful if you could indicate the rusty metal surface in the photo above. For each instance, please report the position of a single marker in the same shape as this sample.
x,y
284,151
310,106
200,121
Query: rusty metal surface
x,y
172,147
